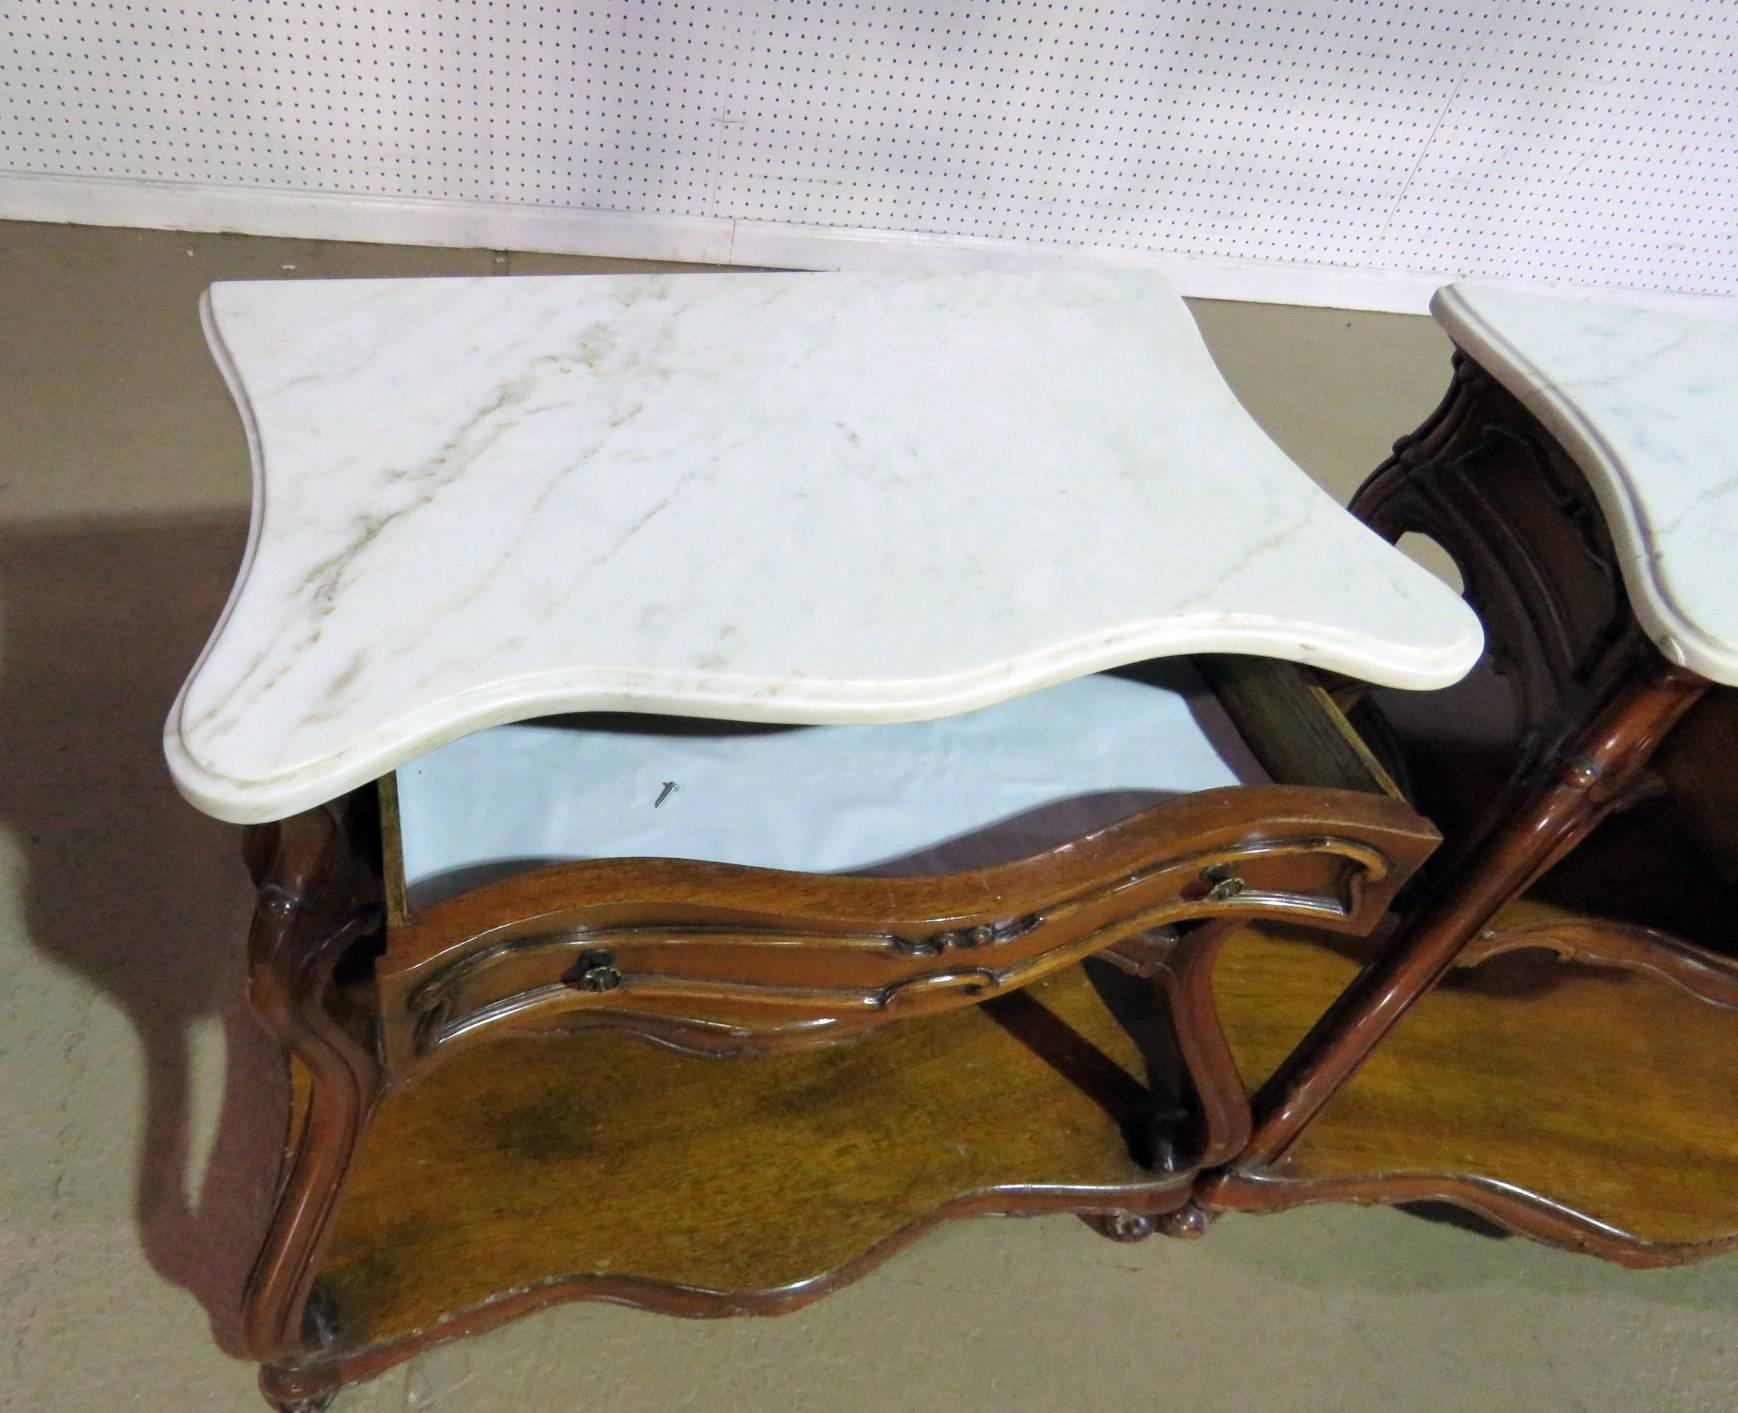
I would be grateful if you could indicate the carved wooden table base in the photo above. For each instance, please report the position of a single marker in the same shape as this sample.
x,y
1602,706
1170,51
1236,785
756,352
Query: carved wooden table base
x,y
516,1097
503,1102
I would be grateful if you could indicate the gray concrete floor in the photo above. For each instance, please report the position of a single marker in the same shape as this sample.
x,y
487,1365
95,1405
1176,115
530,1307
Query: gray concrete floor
x,y
140,1107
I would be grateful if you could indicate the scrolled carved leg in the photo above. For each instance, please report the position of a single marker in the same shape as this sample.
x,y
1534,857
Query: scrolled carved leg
x,y
1213,1121
317,899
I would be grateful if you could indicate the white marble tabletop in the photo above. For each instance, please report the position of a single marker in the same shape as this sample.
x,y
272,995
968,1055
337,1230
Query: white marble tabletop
x,y
1643,393
781,498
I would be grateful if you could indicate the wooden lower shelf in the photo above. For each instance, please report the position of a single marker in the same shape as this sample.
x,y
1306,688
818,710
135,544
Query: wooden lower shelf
x,y
1589,1098
602,1167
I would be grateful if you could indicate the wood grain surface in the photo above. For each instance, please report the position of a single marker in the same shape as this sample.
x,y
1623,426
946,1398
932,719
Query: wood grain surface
x,y
600,1166
1591,1102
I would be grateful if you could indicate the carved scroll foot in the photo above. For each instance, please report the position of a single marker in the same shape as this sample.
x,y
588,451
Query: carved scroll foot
x,y
1210,1120
293,1403
1188,1223
306,1405
1122,1226
318,898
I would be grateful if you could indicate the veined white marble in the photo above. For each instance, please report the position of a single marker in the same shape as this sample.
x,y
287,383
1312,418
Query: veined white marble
x,y
1643,393
780,498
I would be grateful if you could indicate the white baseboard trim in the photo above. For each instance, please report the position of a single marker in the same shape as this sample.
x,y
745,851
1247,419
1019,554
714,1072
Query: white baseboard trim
x,y
104,201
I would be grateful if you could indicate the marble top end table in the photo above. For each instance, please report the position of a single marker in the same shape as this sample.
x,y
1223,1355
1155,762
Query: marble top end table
x,y
826,598
1550,1037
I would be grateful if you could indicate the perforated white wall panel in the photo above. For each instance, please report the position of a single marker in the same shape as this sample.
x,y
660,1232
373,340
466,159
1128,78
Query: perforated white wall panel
x,y
1336,149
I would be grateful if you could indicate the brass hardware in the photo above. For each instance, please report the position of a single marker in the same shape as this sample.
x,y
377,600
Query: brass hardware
x,y
984,934
1224,885
596,971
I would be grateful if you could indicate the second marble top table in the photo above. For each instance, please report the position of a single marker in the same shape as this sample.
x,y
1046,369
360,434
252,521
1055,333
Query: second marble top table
x,y
780,498
1641,391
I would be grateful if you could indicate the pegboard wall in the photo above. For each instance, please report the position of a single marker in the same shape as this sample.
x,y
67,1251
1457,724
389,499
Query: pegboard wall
x,y
1351,151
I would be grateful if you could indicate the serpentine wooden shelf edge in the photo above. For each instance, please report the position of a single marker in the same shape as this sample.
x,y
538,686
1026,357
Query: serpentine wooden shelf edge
x,y
1489,1095
598,1167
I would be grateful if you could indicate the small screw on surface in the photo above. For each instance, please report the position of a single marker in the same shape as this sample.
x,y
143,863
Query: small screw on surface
x,y
1224,883
600,978
596,971
664,794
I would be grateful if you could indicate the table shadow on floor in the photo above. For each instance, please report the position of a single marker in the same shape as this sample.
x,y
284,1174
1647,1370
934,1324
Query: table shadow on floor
x,y
126,884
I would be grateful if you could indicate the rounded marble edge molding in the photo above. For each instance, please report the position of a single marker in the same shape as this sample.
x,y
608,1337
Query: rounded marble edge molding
x,y
1673,632
252,801
202,788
